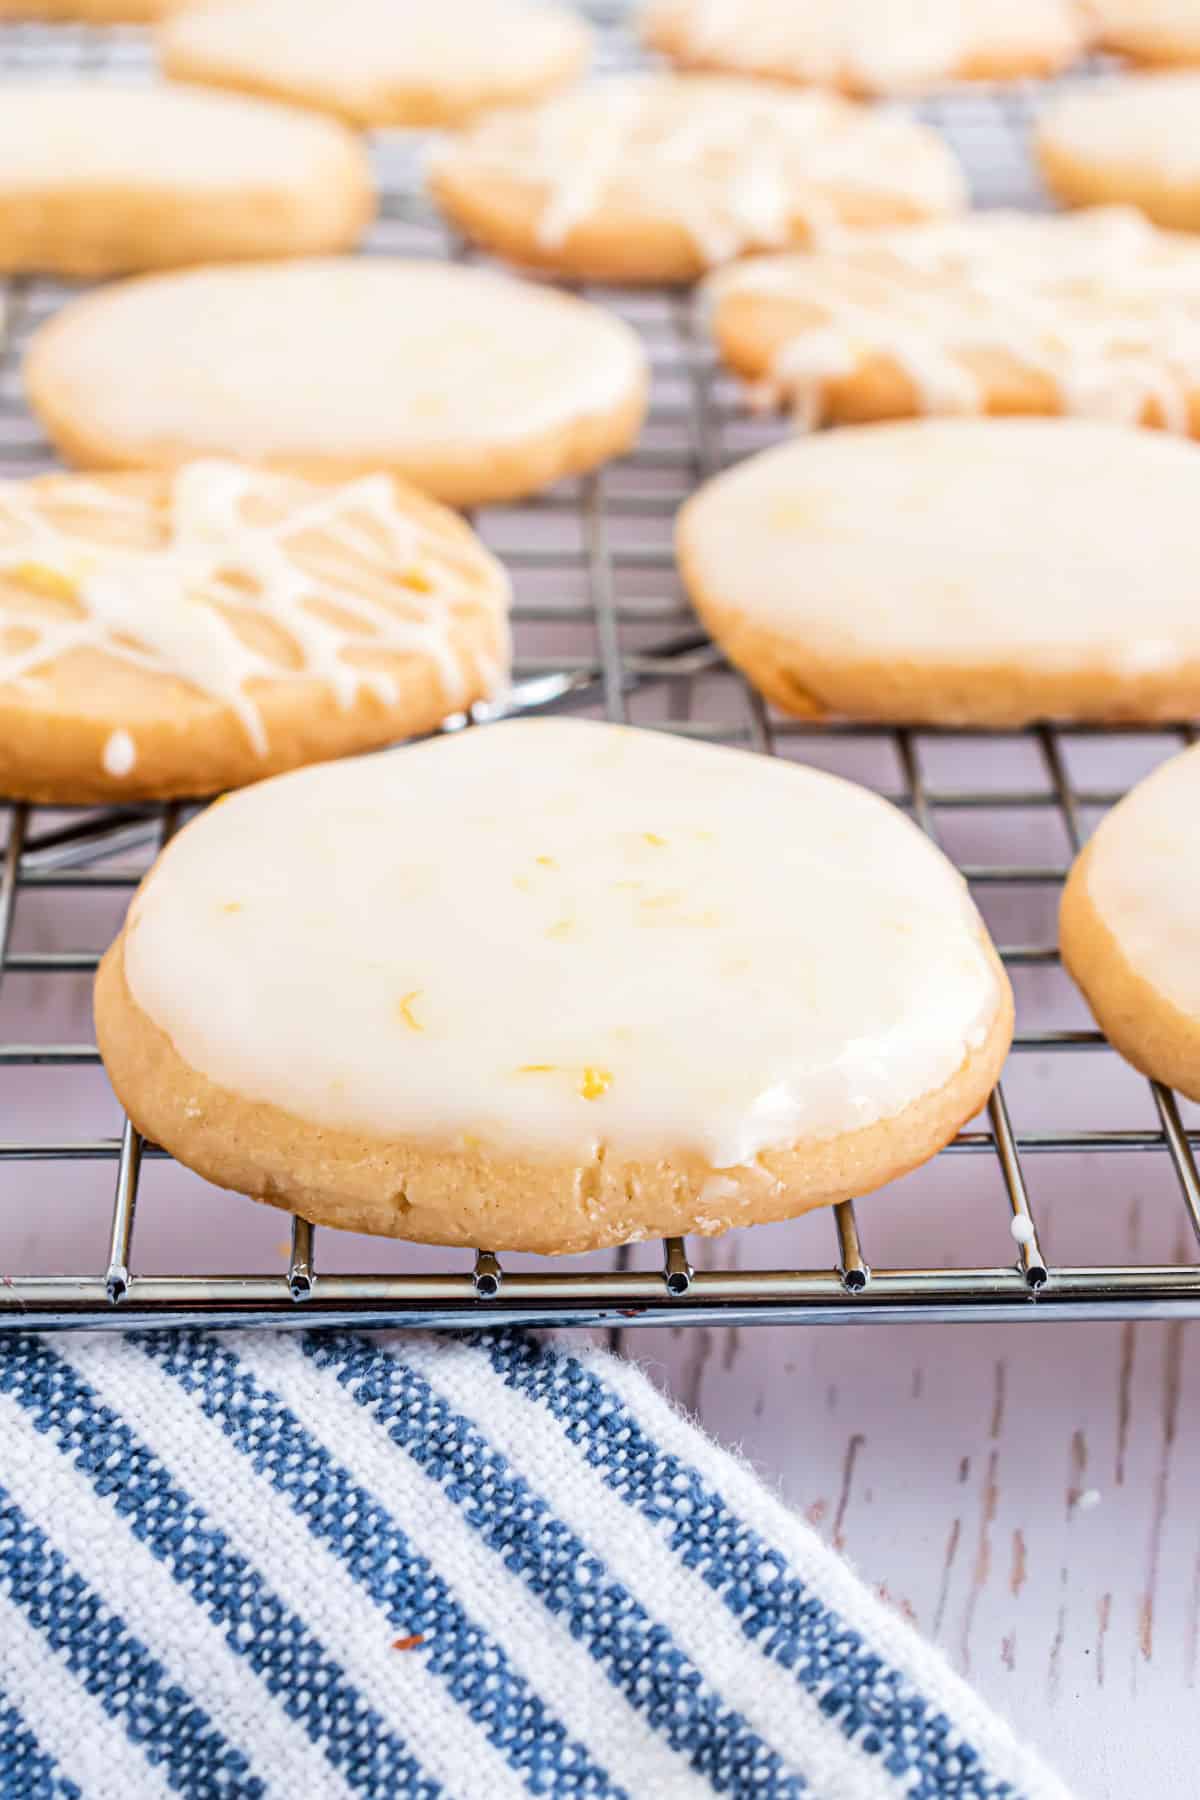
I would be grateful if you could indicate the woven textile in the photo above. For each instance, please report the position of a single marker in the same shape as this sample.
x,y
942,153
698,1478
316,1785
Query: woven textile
x,y
318,1566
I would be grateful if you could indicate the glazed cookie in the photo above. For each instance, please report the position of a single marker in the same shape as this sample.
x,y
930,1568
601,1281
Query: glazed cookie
x,y
1130,924
957,571
1136,140
380,62
97,179
1150,31
623,985
869,46
1095,313
164,635
657,177
472,385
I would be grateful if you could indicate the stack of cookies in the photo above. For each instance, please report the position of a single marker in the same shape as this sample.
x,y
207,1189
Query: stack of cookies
x,y
555,985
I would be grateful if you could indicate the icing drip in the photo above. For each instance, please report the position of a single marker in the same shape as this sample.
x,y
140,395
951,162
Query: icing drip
x,y
1102,304
737,164
169,608
119,755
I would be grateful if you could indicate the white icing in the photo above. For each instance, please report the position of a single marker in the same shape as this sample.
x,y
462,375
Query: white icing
x,y
1054,544
366,56
556,935
170,606
373,360
1101,302
100,135
739,164
119,755
1143,878
1022,1229
1144,129
874,45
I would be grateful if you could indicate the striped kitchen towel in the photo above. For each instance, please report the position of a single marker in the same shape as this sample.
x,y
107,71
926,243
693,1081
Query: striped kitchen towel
x,y
320,1566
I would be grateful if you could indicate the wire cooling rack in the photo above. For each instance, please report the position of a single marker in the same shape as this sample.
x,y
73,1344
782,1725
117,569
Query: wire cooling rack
x,y
601,626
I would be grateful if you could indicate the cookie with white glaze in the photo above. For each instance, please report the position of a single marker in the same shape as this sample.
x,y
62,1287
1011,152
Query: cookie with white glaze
x,y
474,386
1130,924
98,178
180,634
1095,313
558,986
380,62
957,572
655,178
1162,33
1134,141
870,46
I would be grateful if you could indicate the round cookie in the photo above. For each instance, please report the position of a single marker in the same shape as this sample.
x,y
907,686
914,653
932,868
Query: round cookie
x,y
623,985
97,179
380,62
1096,313
472,385
179,634
957,572
1150,31
655,178
869,46
1136,141
1130,924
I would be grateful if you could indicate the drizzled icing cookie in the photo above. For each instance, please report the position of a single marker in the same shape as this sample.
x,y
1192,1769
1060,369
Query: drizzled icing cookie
x,y
658,177
1096,314
1130,925
474,386
957,571
1136,140
562,985
381,62
869,46
175,635
97,178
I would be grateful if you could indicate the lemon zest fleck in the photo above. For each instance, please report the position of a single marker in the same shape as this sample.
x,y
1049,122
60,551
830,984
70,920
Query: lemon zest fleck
x,y
594,1083
404,1008
42,579
652,837
536,1069
546,862
232,906
562,928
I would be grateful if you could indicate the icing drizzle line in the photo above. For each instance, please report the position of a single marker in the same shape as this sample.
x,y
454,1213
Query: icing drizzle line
x,y
161,608
1101,303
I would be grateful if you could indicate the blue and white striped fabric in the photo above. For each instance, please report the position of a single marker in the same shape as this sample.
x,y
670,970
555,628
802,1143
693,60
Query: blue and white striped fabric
x,y
319,1567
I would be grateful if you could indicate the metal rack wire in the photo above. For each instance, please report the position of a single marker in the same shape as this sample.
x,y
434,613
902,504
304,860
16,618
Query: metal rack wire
x,y
600,624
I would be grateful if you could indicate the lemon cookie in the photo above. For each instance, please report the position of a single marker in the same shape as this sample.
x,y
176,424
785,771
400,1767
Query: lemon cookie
x,y
957,571
1130,924
472,385
98,178
657,177
552,986
1150,31
869,46
177,634
1095,313
1136,141
380,62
